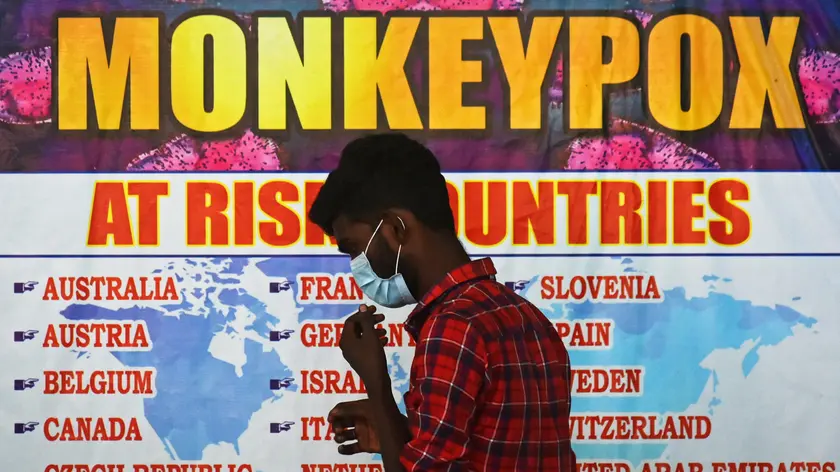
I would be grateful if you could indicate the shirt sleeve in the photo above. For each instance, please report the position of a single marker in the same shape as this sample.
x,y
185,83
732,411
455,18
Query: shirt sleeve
x,y
449,370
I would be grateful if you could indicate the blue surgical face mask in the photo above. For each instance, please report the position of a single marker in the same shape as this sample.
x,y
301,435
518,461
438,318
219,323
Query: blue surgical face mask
x,y
391,292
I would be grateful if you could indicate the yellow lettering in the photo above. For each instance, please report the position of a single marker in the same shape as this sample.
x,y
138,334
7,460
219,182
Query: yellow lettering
x,y
366,71
81,49
587,72
765,73
448,72
525,71
309,78
664,86
230,79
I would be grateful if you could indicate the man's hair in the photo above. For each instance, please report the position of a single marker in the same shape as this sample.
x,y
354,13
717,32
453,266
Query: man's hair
x,y
379,172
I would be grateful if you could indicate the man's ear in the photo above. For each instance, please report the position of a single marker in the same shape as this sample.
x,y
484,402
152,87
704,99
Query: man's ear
x,y
397,226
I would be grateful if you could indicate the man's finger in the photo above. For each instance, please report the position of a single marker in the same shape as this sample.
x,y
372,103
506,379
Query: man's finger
x,y
364,323
341,414
349,449
334,414
366,310
369,320
341,422
345,436
362,320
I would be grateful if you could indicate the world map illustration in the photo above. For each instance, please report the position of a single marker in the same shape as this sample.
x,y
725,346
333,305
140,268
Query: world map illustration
x,y
204,400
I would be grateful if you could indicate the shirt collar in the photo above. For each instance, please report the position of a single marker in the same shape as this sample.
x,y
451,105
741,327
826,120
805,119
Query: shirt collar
x,y
477,269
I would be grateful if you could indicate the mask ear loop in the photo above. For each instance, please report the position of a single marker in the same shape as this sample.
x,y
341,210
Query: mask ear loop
x,y
399,249
373,235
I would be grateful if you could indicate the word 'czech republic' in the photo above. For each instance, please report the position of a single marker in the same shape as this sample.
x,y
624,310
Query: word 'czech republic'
x,y
170,467
254,67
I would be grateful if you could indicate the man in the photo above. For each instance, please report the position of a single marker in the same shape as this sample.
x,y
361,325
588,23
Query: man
x,y
490,380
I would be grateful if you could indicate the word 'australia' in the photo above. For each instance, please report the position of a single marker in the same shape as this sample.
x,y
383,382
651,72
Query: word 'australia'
x,y
92,429
110,288
114,336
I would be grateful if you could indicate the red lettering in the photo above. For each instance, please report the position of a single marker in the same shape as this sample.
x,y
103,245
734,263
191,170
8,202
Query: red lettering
x,y
113,336
586,334
621,222
577,218
315,428
314,288
485,213
734,225
148,197
207,203
600,287
607,381
686,211
92,429
110,288
283,229
329,335
109,217
330,382
535,213
657,212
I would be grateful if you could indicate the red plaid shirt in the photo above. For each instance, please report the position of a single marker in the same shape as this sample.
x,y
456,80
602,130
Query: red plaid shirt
x,y
490,381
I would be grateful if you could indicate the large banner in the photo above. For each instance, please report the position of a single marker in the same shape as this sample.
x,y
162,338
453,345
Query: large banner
x,y
143,86
656,176
190,322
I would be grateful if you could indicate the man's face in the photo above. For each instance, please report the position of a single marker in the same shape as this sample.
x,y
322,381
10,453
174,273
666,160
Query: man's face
x,y
353,237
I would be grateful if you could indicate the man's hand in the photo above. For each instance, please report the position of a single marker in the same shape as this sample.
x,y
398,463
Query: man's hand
x,y
352,421
362,345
